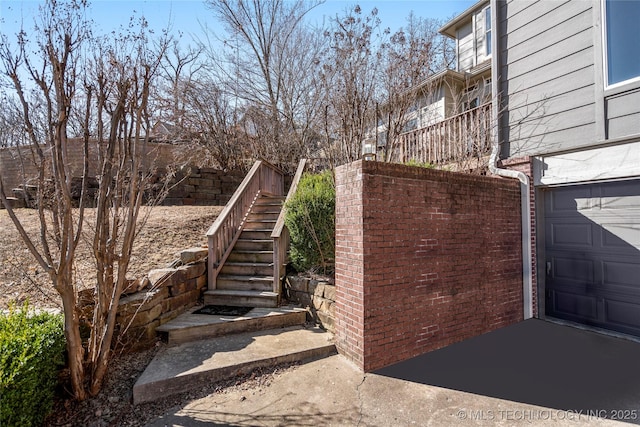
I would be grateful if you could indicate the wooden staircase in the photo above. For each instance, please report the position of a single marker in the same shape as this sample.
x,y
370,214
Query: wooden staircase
x,y
247,252
248,242
247,276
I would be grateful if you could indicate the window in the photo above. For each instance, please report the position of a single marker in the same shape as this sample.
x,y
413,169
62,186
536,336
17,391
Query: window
x,y
487,26
486,93
470,98
410,125
622,41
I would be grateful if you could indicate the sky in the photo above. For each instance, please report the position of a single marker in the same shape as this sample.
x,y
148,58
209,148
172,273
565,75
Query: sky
x,y
188,16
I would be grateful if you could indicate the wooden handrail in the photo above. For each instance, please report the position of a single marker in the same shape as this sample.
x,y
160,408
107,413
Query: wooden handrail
x,y
462,136
263,178
280,234
277,229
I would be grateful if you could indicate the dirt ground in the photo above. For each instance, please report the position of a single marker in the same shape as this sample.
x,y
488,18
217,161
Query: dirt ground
x,y
168,230
113,406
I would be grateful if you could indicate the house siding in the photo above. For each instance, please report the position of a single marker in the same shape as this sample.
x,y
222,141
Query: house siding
x,y
465,47
471,39
571,130
547,76
623,114
424,259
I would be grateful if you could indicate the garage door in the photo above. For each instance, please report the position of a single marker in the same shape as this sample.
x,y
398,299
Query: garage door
x,y
592,254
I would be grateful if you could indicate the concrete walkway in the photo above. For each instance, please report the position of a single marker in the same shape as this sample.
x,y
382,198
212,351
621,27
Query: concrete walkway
x,y
332,391
196,364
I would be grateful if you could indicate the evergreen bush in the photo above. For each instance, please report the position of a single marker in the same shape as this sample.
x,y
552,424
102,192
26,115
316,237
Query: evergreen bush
x,y
31,354
310,219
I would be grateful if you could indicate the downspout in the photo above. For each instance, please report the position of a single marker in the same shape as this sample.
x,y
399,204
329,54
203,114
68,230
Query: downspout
x,y
525,185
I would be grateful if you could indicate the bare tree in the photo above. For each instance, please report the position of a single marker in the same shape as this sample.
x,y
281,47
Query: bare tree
x,y
212,117
122,76
104,85
409,58
264,34
350,68
180,71
10,130
57,86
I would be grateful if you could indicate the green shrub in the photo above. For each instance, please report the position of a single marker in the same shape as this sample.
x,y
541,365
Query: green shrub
x,y
310,219
415,163
31,353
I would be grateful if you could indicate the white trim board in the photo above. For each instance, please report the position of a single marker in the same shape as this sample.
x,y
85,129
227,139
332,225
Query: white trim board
x,y
613,162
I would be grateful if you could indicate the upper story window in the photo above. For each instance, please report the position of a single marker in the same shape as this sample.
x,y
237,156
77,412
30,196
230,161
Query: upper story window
x,y
622,41
487,26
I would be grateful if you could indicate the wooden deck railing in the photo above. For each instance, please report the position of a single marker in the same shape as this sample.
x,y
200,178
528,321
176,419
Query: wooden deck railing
x,y
280,234
263,178
460,137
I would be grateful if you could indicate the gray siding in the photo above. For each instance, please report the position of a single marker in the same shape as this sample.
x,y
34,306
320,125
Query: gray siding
x,y
547,75
623,114
551,88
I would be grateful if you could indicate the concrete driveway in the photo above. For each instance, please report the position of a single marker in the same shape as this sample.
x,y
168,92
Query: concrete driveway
x,y
532,373
538,363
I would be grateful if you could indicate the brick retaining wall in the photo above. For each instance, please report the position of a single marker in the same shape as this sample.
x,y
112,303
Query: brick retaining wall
x,y
424,258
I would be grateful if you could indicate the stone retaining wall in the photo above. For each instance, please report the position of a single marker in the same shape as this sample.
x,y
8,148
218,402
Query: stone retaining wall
x,y
17,165
203,186
162,295
191,185
317,295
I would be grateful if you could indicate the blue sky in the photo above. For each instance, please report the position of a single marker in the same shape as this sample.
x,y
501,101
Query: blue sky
x,y
187,16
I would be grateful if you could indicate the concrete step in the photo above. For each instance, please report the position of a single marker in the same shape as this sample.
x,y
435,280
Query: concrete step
x,y
192,327
247,269
192,365
245,283
250,256
241,298
14,202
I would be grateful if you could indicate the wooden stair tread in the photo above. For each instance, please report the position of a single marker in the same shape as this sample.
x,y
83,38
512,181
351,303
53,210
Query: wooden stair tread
x,y
249,264
239,277
242,293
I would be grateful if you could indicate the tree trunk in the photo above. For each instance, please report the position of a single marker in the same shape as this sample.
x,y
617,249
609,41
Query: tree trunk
x,y
75,350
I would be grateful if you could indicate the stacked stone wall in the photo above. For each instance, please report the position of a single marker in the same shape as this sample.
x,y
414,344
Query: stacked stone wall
x,y
203,186
317,295
162,295
191,185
